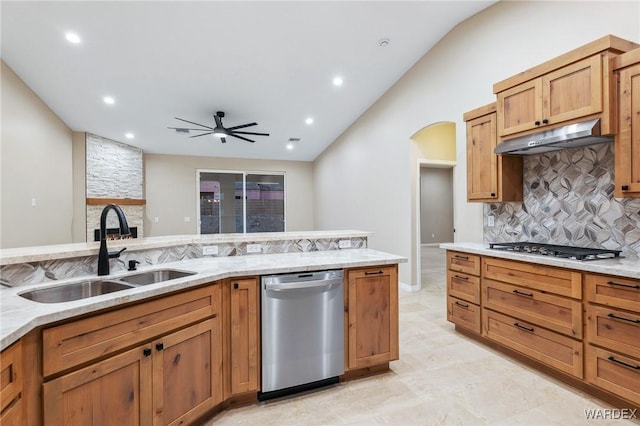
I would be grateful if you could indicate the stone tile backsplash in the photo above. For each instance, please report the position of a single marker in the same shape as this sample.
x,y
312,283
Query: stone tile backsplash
x,y
568,200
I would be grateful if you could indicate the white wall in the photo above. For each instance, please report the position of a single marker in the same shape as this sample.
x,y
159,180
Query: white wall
x,y
36,163
363,179
170,190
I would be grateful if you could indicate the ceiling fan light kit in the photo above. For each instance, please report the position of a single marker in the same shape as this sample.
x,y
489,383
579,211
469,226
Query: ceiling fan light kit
x,y
219,130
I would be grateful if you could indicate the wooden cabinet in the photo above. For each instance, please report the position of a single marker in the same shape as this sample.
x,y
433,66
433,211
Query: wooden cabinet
x,y
568,93
490,177
627,143
140,365
463,290
11,386
242,351
612,359
372,304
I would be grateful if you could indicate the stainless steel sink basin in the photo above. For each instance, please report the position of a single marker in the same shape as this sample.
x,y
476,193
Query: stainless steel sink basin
x,y
74,291
153,277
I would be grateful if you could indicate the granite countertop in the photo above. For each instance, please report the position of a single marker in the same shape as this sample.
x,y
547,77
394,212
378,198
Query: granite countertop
x,y
66,251
18,315
622,267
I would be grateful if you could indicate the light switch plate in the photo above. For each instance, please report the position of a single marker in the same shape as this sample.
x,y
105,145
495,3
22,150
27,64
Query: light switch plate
x,y
209,250
344,244
490,221
254,248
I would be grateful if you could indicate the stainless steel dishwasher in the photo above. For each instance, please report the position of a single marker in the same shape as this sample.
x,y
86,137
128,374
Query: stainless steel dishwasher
x,y
302,331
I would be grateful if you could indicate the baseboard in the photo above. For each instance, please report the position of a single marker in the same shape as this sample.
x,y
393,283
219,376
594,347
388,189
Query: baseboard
x,y
408,287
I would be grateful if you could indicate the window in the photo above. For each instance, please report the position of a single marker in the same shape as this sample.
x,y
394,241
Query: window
x,y
238,202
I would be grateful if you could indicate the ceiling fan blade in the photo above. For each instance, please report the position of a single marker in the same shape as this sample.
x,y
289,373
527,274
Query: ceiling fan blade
x,y
250,133
218,120
204,134
242,126
241,137
186,128
223,140
191,122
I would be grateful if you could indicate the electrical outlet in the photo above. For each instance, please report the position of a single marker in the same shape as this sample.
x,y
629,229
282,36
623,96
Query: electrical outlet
x,y
344,244
490,221
433,235
187,219
156,219
209,250
254,248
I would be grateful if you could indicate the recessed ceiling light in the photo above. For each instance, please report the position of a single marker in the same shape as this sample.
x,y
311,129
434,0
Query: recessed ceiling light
x,y
72,38
129,135
337,81
309,120
290,146
109,100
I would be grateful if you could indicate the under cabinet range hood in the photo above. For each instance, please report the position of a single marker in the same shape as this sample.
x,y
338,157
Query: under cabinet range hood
x,y
569,136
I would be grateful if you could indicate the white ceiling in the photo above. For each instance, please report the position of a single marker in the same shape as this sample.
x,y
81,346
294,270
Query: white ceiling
x,y
268,62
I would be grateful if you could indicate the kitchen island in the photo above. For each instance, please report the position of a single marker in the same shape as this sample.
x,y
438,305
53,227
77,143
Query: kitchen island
x,y
578,321
191,340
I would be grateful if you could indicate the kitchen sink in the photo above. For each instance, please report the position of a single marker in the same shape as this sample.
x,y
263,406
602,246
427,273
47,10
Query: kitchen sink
x,y
74,291
153,277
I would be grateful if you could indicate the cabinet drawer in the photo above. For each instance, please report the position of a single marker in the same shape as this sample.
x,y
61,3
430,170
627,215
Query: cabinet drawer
x,y
463,262
464,314
463,286
74,343
539,277
547,310
10,378
623,293
614,372
613,329
556,350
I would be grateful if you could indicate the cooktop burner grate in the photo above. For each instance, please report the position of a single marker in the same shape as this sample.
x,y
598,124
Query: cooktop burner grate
x,y
569,252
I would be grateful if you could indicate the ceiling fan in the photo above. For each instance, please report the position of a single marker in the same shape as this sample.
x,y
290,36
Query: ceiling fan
x,y
219,130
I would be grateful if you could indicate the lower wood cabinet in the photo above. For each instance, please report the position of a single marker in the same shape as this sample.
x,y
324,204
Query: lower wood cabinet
x,y
464,314
242,335
11,386
372,304
614,372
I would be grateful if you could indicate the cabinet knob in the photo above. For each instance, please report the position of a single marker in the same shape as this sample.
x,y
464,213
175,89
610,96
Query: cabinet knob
x,y
159,346
493,194
235,285
625,187
537,123
146,351
545,121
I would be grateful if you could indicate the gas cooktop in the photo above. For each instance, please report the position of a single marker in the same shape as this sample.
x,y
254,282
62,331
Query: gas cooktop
x,y
568,252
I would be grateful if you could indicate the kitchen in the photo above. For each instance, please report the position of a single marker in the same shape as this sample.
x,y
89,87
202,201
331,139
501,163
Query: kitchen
x,y
429,83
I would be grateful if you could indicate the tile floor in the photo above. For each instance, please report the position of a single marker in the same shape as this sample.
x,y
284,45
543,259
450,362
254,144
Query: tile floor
x,y
442,378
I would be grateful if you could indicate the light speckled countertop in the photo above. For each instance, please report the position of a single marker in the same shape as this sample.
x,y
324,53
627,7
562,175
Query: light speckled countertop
x,y
18,315
629,268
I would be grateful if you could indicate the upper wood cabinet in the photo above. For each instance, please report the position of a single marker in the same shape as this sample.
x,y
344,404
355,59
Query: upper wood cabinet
x,y
627,144
569,88
372,305
490,177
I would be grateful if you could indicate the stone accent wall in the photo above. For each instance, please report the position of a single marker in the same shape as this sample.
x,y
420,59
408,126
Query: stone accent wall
x,y
568,200
114,170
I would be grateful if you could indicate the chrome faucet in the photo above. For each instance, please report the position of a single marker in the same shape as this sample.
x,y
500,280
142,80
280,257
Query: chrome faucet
x,y
103,254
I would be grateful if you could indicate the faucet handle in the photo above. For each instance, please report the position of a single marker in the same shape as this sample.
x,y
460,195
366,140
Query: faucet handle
x,y
115,254
132,265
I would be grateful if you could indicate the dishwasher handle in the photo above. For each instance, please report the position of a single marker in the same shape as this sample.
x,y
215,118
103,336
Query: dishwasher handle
x,y
301,285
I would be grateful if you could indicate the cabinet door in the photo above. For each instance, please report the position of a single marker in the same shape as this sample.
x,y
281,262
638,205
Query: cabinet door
x,y
373,316
187,373
573,91
520,107
482,163
627,171
11,385
116,391
244,336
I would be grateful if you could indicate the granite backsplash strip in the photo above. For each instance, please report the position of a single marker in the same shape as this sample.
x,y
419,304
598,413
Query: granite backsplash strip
x,y
46,271
568,200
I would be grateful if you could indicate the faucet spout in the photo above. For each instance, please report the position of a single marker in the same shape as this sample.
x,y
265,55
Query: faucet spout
x,y
103,254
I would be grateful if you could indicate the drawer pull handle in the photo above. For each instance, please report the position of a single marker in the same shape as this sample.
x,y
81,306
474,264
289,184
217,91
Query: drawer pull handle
x,y
462,304
614,316
617,361
461,257
458,277
637,287
522,327
522,293
373,273
146,351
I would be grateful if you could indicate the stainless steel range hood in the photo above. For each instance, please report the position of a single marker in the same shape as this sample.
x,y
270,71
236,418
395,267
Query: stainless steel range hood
x,y
569,136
